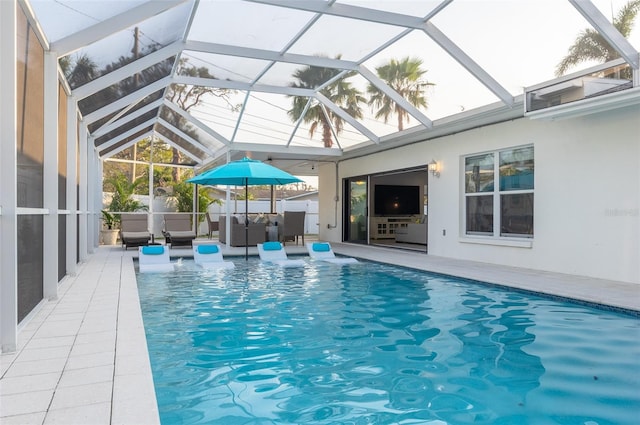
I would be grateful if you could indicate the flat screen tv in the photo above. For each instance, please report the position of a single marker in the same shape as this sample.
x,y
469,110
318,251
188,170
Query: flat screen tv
x,y
391,200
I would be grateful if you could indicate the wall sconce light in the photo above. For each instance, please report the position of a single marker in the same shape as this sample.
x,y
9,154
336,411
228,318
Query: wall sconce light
x,y
433,168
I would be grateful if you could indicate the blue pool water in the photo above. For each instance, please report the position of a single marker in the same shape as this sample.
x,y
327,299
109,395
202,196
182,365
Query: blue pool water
x,y
377,344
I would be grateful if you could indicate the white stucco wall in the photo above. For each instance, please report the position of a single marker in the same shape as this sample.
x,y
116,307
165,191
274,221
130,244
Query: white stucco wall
x,y
587,193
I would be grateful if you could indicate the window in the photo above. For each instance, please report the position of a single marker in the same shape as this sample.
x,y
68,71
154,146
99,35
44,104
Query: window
x,y
499,193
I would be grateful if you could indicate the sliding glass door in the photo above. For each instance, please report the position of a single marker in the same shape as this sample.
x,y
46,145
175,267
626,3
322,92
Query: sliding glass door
x,y
355,210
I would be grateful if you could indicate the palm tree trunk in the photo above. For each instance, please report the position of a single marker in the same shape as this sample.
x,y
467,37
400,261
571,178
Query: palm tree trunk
x,y
326,134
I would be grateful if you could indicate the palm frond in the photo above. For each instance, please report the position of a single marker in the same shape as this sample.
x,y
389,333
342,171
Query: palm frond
x,y
626,17
340,92
590,45
405,76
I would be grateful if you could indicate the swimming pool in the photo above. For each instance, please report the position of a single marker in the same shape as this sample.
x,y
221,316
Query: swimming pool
x,y
377,344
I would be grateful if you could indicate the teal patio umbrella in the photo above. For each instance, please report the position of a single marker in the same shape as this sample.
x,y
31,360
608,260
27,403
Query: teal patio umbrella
x,y
245,172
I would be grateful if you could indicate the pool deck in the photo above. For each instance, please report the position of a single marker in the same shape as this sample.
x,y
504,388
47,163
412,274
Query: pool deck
x,y
82,359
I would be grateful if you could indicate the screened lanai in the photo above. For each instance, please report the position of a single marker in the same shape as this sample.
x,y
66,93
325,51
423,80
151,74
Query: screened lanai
x,y
311,87
306,85
129,64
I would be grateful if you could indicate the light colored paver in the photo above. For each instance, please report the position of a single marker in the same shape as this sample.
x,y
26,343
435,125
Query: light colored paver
x,y
91,375
30,418
81,395
65,369
30,383
25,403
91,414
34,367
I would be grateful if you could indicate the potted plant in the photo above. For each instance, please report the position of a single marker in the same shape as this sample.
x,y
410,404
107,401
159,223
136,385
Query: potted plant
x,y
109,234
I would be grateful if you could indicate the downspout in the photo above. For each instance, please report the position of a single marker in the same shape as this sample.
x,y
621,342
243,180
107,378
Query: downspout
x,y
336,199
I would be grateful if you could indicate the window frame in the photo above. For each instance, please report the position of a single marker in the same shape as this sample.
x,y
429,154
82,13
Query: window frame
x,y
496,236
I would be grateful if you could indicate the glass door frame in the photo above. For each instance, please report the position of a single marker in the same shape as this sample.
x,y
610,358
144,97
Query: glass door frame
x,y
350,223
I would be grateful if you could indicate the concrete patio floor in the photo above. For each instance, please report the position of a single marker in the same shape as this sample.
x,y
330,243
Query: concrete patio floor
x,y
82,359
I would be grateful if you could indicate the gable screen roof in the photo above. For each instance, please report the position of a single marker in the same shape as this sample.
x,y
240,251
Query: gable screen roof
x,y
265,73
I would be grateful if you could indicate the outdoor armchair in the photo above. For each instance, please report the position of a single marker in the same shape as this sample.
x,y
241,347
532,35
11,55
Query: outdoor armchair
x,y
212,225
134,230
293,226
177,230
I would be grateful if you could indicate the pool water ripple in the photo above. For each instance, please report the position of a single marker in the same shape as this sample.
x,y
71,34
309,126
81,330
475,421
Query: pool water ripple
x,y
376,344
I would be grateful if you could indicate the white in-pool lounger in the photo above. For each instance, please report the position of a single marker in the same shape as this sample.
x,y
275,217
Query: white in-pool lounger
x,y
322,251
154,258
274,252
209,256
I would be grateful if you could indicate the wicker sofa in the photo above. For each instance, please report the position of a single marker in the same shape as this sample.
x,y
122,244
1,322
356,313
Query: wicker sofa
x,y
257,232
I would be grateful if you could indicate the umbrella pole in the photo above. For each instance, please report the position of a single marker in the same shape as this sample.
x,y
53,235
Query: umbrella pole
x,y
246,221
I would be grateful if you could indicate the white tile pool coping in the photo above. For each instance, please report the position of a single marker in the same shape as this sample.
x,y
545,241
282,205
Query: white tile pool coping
x,y
82,359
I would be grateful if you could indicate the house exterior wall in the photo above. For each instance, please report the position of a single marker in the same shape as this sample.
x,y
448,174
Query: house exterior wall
x,y
586,197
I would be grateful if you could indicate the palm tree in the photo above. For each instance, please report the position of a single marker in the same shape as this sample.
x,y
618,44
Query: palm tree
x,y
590,45
123,191
405,77
85,69
341,92
183,193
